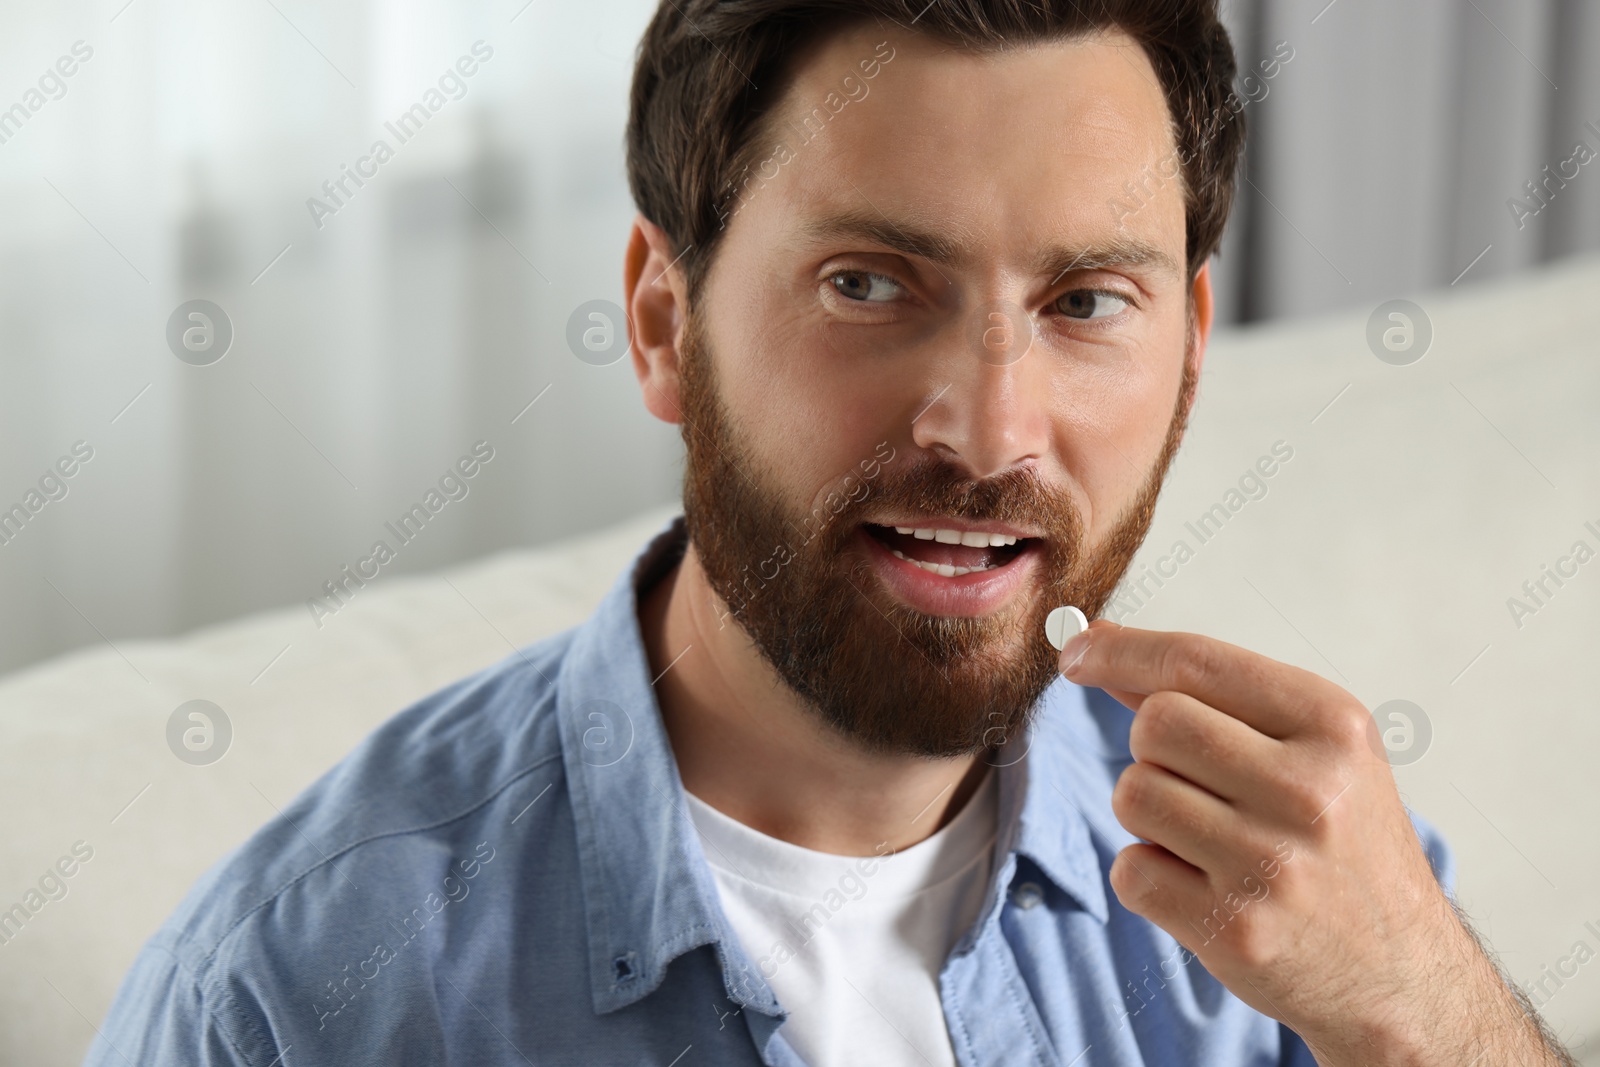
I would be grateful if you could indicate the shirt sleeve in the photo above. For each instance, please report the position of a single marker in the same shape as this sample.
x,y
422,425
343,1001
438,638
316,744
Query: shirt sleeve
x,y
1441,858
160,1016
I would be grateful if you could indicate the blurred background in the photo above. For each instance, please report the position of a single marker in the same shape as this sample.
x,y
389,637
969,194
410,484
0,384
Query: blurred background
x,y
377,337
361,335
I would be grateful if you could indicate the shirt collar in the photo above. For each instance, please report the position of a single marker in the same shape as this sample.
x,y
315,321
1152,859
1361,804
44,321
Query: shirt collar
x,y
650,896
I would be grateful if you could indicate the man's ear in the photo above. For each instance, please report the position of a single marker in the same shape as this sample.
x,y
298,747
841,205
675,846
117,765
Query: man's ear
x,y
656,304
1204,311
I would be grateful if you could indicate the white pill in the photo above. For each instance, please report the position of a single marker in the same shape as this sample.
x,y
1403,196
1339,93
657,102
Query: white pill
x,y
1062,624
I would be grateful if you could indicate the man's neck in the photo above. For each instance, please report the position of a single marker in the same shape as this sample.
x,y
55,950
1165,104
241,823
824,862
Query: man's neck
x,y
747,745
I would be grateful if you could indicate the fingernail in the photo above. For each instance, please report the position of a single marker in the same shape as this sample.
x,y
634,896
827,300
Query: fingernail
x,y
1073,652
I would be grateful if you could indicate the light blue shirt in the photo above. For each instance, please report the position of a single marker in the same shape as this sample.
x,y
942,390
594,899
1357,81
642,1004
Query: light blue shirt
x,y
506,873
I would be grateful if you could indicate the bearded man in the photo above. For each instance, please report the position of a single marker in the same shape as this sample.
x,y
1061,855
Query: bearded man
x,y
925,286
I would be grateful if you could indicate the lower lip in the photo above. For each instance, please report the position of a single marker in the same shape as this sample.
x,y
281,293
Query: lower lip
x,y
971,594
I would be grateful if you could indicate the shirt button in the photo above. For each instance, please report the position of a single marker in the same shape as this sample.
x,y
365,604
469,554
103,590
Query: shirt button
x,y
1027,895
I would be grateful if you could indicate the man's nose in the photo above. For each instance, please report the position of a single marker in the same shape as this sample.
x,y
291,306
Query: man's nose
x,y
992,410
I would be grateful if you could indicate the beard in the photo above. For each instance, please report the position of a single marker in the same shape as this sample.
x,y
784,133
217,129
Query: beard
x,y
886,677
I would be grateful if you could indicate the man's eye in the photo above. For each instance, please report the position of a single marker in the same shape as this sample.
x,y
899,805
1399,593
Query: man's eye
x,y
1090,304
864,285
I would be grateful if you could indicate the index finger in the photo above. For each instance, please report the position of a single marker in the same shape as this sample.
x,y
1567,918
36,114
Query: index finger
x,y
1274,698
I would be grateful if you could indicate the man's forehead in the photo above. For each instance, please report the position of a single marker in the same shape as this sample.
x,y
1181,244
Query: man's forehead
x,y
1104,76
943,152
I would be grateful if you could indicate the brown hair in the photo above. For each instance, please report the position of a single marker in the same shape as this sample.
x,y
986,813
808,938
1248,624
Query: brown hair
x,y
709,72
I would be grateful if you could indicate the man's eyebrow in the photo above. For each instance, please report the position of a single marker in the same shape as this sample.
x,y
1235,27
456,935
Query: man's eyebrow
x,y
915,239
909,237
1118,252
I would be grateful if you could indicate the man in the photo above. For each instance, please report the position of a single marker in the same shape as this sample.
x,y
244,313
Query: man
x,y
927,292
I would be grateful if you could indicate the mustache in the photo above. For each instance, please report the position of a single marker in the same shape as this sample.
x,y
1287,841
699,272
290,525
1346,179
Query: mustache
x,y
1018,496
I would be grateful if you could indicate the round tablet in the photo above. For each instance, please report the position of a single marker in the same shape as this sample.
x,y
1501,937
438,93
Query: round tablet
x,y
1062,624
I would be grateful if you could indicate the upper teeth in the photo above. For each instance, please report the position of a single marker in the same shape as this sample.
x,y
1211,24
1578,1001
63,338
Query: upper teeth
x,y
971,538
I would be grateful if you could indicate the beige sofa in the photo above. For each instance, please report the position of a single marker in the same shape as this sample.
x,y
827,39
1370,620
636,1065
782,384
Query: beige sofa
x,y
1416,502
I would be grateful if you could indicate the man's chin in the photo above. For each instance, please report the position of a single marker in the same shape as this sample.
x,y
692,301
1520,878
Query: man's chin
x,y
890,677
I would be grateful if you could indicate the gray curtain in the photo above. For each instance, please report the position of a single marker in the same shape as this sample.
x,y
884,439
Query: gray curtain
x,y
1382,156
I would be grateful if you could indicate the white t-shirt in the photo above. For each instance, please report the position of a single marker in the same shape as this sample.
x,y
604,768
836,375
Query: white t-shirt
x,y
853,945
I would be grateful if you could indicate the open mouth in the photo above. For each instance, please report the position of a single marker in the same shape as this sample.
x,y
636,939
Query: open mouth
x,y
949,553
